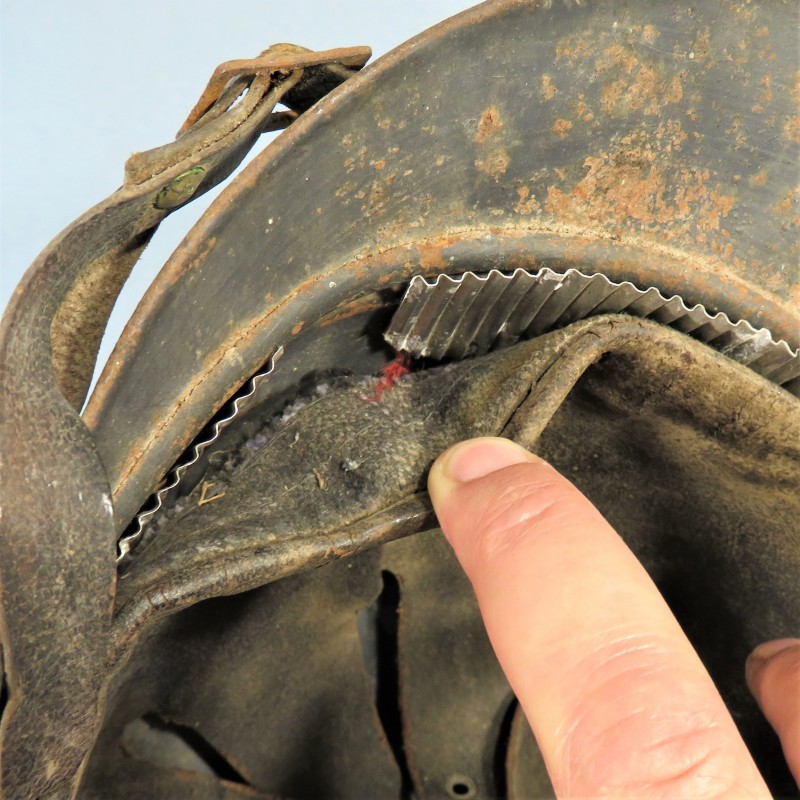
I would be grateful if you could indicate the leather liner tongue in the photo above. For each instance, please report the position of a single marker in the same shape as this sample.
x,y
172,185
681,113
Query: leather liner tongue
x,y
468,315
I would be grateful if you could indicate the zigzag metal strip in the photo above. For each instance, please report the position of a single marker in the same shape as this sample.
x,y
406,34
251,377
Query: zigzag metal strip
x,y
452,317
209,435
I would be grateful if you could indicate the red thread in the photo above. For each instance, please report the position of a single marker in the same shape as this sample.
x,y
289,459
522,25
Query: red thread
x,y
390,374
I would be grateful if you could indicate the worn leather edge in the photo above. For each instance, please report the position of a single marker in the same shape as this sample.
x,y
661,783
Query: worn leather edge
x,y
57,547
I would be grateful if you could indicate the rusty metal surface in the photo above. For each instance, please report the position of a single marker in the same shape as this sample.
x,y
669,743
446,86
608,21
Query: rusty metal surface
x,y
653,144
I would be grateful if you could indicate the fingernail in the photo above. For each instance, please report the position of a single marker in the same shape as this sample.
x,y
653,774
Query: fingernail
x,y
765,652
473,459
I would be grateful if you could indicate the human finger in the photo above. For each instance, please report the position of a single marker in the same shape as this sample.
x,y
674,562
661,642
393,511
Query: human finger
x,y
619,701
773,675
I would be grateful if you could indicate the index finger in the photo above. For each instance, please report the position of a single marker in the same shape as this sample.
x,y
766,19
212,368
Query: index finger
x,y
619,701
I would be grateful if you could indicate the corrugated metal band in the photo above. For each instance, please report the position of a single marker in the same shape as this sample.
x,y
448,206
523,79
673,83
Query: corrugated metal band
x,y
471,314
235,406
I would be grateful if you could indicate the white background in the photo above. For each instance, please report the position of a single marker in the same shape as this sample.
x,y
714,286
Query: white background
x,y
86,83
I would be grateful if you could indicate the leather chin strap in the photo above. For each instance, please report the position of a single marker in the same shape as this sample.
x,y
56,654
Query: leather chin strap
x,y
58,543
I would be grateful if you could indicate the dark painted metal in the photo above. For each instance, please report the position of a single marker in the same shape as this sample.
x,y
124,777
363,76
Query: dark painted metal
x,y
654,144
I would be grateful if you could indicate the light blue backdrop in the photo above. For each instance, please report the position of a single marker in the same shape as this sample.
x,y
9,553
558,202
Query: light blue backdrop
x,y
86,83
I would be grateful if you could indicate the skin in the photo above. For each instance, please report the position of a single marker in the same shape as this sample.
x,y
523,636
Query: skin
x,y
622,707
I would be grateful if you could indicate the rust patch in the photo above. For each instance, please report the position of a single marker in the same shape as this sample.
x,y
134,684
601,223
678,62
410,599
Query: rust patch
x,y
650,33
297,328
575,47
367,302
765,96
789,206
527,204
701,46
494,165
430,256
581,108
561,127
494,162
629,83
714,209
759,179
791,129
642,90
621,188
202,254
669,136
610,96
489,125
629,186
736,131
346,188
548,90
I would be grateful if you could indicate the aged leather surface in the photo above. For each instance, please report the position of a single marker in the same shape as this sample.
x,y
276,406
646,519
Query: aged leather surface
x,y
57,548
693,458
284,685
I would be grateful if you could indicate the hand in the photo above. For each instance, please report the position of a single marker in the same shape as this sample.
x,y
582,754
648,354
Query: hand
x,y
617,697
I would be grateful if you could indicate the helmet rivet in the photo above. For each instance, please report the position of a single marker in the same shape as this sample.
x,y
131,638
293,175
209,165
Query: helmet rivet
x,y
179,189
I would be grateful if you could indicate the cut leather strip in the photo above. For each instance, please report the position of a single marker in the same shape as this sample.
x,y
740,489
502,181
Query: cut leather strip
x,y
449,677
280,692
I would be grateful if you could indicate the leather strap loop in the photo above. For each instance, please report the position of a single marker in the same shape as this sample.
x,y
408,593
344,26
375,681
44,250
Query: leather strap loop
x,y
58,543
